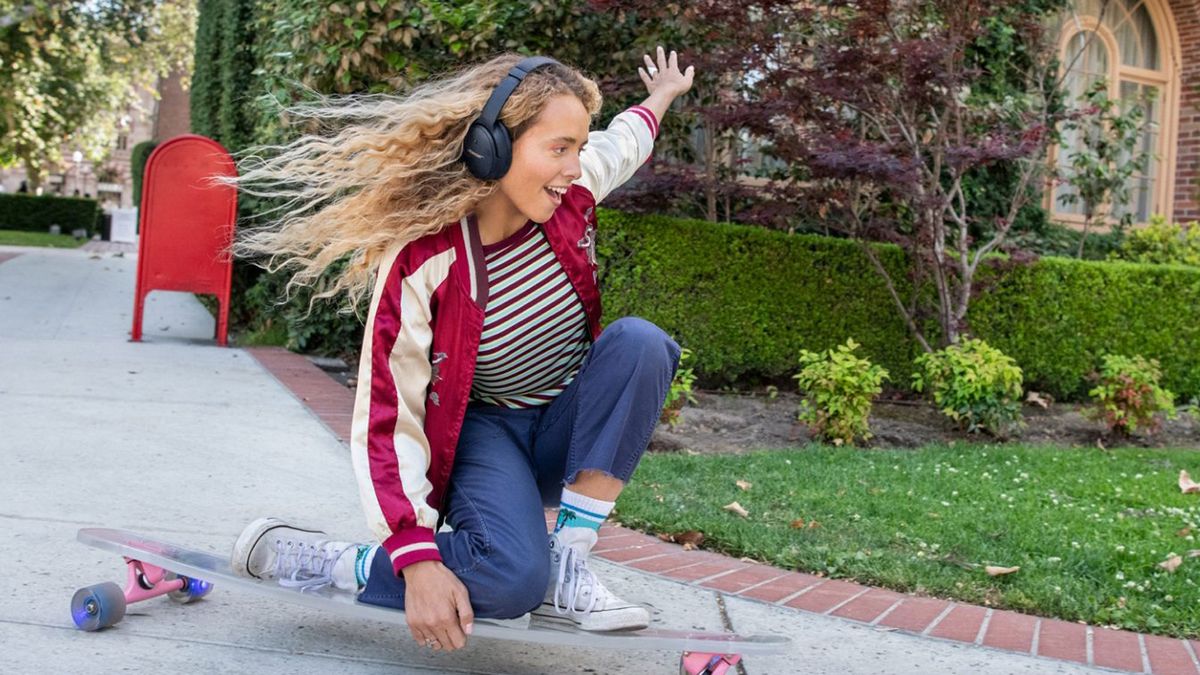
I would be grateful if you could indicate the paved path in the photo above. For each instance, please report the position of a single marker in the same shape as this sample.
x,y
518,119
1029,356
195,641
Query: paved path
x,y
184,440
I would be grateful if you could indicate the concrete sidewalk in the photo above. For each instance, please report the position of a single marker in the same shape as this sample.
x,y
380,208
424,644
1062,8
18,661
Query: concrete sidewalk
x,y
186,441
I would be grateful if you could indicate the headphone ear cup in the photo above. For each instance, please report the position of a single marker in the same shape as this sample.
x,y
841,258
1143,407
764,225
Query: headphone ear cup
x,y
479,151
502,157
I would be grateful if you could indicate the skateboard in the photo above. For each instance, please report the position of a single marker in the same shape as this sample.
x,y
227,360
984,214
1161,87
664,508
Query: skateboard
x,y
157,568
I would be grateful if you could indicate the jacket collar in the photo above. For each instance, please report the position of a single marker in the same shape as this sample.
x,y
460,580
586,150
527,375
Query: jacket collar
x,y
470,247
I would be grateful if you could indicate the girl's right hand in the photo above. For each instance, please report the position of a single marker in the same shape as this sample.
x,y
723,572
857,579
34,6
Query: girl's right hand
x,y
437,606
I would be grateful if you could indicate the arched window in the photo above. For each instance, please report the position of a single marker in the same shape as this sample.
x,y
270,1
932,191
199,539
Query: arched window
x,y
1129,44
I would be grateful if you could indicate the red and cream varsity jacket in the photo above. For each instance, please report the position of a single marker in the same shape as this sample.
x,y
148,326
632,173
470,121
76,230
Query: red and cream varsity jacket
x,y
422,337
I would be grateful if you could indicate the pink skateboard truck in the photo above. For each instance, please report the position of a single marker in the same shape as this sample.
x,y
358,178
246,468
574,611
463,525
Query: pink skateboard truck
x,y
103,605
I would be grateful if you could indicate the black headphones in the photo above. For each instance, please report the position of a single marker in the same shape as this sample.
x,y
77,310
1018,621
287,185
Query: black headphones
x,y
487,149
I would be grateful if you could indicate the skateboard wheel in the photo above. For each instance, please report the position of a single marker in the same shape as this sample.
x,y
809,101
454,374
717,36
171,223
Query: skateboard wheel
x,y
193,589
99,606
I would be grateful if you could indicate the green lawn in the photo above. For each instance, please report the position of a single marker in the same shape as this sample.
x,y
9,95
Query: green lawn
x,y
1087,527
20,238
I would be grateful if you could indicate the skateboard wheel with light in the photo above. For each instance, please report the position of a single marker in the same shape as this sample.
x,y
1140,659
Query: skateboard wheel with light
x,y
99,606
193,589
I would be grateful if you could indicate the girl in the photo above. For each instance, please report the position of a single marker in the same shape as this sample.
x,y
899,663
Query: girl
x,y
486,389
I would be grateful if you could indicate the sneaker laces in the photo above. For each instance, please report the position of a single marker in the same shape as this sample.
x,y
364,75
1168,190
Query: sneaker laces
x,y
304,566
574,580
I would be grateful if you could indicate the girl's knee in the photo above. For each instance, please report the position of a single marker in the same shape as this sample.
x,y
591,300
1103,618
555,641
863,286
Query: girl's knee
x,y
636,332
521,591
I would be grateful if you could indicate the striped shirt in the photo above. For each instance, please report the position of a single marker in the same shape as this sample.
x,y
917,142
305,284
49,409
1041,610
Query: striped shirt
x,y
535,332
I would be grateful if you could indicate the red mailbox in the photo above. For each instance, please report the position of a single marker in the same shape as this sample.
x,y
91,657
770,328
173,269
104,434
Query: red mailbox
x,y
186,225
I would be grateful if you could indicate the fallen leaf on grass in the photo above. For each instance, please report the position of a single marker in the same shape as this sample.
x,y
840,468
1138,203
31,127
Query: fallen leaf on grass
x,y
1186,484
1171,563
690,539
994,571
745,485
737,508
798,524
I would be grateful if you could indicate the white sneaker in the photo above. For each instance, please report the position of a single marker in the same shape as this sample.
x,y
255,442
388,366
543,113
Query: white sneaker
x,y
306,559
575,595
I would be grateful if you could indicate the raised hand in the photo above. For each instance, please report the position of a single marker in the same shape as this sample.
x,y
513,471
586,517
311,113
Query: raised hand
x,y
664,77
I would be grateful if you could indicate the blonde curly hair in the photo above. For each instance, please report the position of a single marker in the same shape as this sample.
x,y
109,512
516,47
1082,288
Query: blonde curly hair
x,y
386,172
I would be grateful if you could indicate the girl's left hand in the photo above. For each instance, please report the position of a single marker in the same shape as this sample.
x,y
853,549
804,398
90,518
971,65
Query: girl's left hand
x,y
665,76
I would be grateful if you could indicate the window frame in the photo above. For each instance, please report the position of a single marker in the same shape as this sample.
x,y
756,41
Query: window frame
x,y
1166,79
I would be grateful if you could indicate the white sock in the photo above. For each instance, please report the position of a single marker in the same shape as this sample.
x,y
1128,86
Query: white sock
x,y
353,566
579,519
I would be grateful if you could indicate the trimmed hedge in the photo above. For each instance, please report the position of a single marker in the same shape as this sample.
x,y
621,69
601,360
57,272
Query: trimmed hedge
x,y
747,300
1059,317
32,213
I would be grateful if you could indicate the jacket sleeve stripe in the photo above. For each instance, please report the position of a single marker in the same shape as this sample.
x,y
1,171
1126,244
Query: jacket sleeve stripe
x,y
389,448
647,115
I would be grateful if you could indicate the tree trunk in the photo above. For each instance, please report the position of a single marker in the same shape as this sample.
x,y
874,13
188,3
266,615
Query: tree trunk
x,y
33,175
710,173
1087,221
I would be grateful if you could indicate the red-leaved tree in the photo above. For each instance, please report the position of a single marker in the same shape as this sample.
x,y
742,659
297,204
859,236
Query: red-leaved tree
x,y
879,111
883,110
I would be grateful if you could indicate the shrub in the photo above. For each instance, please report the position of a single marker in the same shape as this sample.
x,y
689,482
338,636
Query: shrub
x,y
974,384
36,213
680,391
839,388
1128,396
325,327
1161,243
137,167
747,300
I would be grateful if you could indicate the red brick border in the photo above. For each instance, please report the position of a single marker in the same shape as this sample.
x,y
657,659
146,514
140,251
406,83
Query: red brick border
x,y
941,619
332,403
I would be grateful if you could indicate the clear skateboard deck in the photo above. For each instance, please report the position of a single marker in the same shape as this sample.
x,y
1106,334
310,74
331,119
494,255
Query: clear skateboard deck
x,y
160,568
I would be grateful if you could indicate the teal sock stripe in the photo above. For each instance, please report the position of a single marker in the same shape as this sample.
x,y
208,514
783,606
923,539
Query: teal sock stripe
x,y
360,565
569,516
576,509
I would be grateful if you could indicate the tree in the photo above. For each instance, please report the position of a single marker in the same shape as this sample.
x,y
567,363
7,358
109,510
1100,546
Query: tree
x,y
70,69
883,110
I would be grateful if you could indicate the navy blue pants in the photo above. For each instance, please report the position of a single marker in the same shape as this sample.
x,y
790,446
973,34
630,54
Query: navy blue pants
x,y
510,463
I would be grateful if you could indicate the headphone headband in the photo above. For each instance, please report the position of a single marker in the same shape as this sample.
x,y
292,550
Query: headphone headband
x,y
495,102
